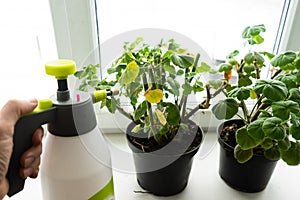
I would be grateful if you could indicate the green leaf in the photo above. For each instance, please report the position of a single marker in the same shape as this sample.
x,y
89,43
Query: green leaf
x,y
273,129
203,68
297,64
182,61
130,74
225,68
283,59
282,109
272,89
298,77
284,144
187,89
198,87
175,86
292,155
294,95
233,62
295,120
241,93
264,114
295,131
111,105
216,84
180,72
251,57
140,111
249,68
253,30
272,153
268,55
233,54
225,109
172,113
255,129
252,34
168,54
245,140
289,80
169,68
267,143
241,155
244,81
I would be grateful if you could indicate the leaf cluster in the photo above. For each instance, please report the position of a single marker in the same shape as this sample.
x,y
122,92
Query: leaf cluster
x,y
272,124
156,80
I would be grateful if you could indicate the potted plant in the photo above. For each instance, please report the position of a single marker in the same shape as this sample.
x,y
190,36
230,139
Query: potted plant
x,y
266,131
156,81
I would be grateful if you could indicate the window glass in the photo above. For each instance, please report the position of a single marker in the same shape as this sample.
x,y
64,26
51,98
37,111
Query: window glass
x,y
215,25
26,42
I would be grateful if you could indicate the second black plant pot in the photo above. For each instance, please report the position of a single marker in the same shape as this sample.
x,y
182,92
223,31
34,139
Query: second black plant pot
x,y
163,172
252,176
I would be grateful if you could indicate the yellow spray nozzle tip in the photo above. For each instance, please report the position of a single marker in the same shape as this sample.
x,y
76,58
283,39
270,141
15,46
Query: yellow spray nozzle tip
x,y
99,95
60,68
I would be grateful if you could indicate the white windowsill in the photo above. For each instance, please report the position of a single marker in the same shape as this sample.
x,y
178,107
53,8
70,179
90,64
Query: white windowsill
x,y
204,182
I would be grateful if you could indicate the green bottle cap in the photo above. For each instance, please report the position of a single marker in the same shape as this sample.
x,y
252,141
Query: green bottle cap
x,y
60,68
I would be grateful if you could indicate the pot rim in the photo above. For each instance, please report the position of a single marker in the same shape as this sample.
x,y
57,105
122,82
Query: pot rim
x,y
156,152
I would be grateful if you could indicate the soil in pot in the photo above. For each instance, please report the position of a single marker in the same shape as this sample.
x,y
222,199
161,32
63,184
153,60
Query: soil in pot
x,y
164,170
252,176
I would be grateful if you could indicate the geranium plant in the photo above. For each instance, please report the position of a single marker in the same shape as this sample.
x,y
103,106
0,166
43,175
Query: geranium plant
x,y
272,123
156,81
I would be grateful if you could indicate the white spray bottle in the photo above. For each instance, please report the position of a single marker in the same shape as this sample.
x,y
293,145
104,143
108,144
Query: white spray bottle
x,y
76,159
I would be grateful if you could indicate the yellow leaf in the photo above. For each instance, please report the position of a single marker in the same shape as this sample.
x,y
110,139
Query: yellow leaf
x,y
131,72
136,129
252,94
161,117
154,96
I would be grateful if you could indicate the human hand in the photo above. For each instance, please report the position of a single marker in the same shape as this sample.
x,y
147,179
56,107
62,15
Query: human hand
x,y
30,160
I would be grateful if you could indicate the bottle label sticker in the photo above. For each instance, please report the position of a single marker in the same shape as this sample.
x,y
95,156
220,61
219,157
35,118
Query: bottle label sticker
x,y
106,193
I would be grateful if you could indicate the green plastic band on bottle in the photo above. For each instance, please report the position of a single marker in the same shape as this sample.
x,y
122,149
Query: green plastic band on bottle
x,y
106,193
99,95
60,68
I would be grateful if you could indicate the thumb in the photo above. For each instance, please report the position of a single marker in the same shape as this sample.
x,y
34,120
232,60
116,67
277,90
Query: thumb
x,y
14,109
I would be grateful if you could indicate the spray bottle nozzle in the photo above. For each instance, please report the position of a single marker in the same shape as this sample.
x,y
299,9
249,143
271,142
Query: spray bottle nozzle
x,y
99,95
61,69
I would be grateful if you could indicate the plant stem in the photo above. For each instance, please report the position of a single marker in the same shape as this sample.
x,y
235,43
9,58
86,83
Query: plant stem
x,y
221,89
245,110
206,103
276,73
151,76
257,112
183,101
256,69
126,114
150,113
256,105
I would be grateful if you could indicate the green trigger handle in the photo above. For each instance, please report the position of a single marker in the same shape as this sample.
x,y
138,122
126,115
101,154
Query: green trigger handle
x,y
23,132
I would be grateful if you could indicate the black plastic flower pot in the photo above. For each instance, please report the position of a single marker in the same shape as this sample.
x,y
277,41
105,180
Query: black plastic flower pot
x,y
165,171
252,176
